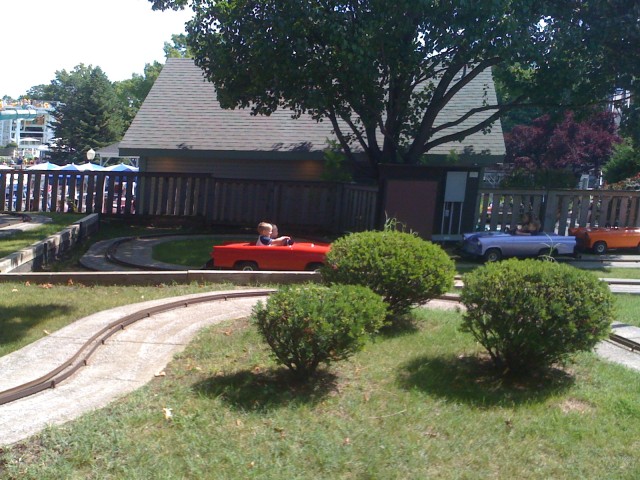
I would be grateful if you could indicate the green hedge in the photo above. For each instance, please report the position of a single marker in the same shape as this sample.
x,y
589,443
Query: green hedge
x,y
400,267
530,314
312,324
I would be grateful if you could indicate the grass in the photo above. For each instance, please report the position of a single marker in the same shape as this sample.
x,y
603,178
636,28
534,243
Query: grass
x,y
417,405
616,272
19,240
31,310
422,404
601,272
627,308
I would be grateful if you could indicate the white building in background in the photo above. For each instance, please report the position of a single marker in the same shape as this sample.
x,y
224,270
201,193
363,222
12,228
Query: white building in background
x,y
27,123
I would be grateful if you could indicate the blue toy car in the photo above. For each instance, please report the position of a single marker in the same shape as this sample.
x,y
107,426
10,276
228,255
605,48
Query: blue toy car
x,y
494,246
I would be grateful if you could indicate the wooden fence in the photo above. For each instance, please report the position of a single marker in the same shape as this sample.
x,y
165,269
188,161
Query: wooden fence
x,y
558,210
310,205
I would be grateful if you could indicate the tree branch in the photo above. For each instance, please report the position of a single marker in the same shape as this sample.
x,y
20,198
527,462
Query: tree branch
x,y
341,138
461,134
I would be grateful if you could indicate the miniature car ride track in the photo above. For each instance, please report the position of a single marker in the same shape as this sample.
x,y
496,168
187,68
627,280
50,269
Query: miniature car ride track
x,y
82,355
624,342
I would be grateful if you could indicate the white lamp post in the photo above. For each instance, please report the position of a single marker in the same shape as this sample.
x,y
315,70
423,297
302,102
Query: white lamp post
x,y
91,154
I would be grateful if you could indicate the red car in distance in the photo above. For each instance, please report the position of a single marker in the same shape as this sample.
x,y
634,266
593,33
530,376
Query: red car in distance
x,y
248,256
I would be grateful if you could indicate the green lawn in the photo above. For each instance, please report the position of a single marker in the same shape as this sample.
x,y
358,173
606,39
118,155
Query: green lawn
x,y
31,310
412,406
116,228
601,272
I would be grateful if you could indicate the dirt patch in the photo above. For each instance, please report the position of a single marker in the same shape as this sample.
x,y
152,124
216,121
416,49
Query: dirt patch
x,y
574,405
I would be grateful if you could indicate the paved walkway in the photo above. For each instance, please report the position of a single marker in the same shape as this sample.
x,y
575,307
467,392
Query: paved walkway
x,y
12,224
132,253
127,361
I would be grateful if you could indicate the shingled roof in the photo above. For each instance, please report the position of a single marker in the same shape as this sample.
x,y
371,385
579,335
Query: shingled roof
x,y
182,113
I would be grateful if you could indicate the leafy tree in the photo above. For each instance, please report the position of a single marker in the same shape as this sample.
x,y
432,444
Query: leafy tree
x,y
623,164
89,115
178,47
577,147
381,71
39,92
630,121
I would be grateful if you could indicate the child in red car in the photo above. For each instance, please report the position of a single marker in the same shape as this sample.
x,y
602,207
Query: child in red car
x,y
265,232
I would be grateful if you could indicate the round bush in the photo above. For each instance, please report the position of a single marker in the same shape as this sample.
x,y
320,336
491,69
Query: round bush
x,y
310,324
400,267
530,314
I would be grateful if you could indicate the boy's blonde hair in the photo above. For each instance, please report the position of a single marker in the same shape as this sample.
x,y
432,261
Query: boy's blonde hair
x,y
264,227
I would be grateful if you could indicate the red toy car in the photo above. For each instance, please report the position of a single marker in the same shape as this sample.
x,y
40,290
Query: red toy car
x,y
249,256
599,240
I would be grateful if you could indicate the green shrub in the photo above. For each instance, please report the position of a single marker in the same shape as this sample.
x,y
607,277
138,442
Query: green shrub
x,y
310,324
530,314
398,266
624,163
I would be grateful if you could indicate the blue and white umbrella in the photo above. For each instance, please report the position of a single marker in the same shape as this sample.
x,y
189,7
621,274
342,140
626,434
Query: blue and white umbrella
x,y
121,167
44,166
70,167
90,167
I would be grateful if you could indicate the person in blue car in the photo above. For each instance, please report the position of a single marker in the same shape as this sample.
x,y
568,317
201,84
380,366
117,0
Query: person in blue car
x,y
529,225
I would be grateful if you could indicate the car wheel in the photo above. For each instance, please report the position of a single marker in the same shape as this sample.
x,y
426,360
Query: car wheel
x,y
209,264
600,248
314,267
492,255
246,266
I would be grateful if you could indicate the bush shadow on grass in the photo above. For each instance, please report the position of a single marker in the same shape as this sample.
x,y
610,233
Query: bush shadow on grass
x,y
18,320
475,381
399,326
267,390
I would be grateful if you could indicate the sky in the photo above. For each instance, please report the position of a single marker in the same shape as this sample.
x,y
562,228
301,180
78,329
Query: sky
x,y
43,36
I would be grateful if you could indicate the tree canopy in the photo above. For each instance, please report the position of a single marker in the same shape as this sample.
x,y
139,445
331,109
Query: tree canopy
x,y
623,164
89,114
382,70
178,47
568,145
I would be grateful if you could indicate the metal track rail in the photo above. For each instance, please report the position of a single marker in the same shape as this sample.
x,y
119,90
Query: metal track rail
x,y
82,355
624,342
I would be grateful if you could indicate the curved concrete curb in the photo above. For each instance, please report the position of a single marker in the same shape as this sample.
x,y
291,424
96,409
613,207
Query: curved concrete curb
x,y
126,362
45,251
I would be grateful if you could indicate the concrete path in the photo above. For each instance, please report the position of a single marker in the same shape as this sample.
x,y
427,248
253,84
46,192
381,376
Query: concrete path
x,y
133,253
12,224
127,361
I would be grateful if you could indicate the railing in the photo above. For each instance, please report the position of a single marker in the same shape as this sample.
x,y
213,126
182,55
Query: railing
x,y
558,210
322,205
